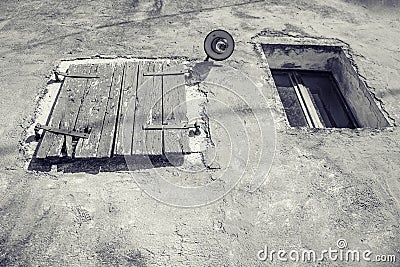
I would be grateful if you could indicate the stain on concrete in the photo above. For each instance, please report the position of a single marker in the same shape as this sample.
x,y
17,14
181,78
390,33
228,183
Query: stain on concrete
x,y
157,7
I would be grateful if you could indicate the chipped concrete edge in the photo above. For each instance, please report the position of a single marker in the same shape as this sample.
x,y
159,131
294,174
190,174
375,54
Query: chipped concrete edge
x,y
278,111
126,57
27,126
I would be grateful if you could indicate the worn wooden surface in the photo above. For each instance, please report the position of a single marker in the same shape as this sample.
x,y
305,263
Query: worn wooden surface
x,y
94,111
116,106
64,112
148,111
175,141
76,122
108,131
124,134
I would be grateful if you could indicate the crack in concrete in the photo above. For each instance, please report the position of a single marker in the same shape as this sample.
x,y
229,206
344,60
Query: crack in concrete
x,y
181,240
205,117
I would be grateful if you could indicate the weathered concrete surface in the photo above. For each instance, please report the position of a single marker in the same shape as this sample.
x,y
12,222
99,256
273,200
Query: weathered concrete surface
x,y
323,185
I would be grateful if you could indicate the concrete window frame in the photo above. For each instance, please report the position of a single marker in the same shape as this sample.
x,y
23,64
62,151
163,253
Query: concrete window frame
x,y
318,54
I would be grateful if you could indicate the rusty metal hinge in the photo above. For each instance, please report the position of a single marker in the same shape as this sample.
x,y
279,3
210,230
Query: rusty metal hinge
x,y
85,134
161,127
165,73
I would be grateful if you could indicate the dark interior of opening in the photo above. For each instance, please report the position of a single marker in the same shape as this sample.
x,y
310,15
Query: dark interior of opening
x,y
323,90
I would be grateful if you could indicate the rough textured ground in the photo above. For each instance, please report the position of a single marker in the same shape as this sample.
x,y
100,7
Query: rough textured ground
x,y
323,185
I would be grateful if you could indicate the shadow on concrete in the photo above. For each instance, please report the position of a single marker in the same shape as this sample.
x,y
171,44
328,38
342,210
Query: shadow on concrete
x,y
30,139
137,21
375,3
107,164
200,71
113,164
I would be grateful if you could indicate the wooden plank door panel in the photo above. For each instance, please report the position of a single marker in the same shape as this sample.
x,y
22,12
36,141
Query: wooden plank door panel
x,y
94,110
65,110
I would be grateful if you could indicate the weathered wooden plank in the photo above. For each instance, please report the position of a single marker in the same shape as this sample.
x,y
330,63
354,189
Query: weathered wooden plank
x,y
126,116
107,139
76,124
153,139
305,94
65,111
94,110
148,111
142,68
175,110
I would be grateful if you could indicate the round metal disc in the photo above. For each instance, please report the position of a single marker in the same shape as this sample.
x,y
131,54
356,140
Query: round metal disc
x,y
219,45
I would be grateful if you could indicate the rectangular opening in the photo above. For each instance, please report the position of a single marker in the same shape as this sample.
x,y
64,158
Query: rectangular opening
x,y
320,88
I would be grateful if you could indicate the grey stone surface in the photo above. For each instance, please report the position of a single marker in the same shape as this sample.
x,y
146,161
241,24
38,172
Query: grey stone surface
x,y
323,185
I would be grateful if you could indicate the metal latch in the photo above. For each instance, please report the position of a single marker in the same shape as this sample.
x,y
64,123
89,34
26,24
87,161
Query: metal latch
x,y
182,72
77,134
161,127
57,75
